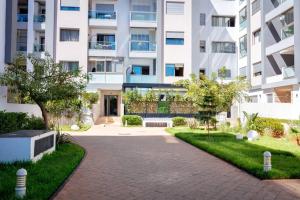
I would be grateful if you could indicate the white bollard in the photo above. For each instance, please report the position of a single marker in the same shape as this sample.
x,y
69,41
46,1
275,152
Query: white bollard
x,y
21,183
126,124
267,161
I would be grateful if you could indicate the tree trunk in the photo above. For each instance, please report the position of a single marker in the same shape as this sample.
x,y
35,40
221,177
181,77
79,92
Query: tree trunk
x,y
44,114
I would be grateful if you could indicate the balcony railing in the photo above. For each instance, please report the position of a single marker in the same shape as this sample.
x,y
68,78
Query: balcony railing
x,y
39,18
288,72
22,17
94,14
142,46
142,16
21,46
102,45
141,78
243,25
287,31
39,47
101,77
277,3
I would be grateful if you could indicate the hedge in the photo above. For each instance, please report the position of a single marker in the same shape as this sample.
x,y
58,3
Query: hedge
x,y
133,120
179,121
274,125
11,121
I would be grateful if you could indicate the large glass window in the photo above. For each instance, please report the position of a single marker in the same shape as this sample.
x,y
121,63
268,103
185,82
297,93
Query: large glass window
x,y
243,46
140,70
223,21
255,6
223,47
71,35
174,70
243,18
70,65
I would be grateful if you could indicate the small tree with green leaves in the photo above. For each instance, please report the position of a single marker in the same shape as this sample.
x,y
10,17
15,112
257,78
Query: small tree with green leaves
x,y
47,81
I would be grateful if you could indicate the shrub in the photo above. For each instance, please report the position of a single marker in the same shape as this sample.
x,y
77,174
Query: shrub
x,y
179,121
274,126
132,120
11,121
163,107
193,123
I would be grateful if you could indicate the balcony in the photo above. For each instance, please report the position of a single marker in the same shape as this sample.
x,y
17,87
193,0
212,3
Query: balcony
x,y
39,18
287,32
142,49
22,17
102,48
288,72
105,78
39,48
141,78
286,78
102,18
143,19
21,47
243,25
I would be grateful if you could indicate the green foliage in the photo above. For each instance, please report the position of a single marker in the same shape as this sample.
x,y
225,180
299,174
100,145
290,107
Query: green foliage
x,y
163,107
150,96
193,123
132,120
90,98
274,125
44,176
48,81
179,121
11,122
251,118
130,97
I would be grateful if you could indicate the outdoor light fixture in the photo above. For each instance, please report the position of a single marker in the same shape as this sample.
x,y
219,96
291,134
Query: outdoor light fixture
x,y
267,161
21,183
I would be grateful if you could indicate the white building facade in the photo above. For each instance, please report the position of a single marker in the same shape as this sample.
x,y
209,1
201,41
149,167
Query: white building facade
x,y
144,44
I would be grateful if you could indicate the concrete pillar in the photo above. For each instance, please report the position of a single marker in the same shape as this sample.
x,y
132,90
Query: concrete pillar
x,y
30,31
263,40
50,28
2,34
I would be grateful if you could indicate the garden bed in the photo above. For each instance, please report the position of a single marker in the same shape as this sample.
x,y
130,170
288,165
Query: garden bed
x,y
247,155
45,176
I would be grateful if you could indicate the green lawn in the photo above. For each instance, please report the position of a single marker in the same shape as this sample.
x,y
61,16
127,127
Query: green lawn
x,y
68,128
247,155
45,176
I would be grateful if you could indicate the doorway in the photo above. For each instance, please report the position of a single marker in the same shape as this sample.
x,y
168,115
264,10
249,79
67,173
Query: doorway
x,y
111,105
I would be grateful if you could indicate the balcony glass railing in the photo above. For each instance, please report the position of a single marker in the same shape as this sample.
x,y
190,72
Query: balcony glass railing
x,y
22,17
21,46
142,16
101,77
94,14
141,78
287,31
277,3
142,46
39,47
39,18
102,45
243,25
288,72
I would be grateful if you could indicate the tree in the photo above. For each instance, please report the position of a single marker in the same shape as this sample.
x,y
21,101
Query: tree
x,y
48,81
211,97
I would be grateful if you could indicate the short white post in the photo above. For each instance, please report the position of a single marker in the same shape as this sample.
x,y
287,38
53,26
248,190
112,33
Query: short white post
x,y
267,161
21,183
126,124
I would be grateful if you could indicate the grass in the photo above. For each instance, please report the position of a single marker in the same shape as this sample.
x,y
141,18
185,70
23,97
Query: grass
x,y
247,155
45,176
83,128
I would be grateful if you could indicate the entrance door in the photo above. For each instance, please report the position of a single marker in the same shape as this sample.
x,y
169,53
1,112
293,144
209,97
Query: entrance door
x,y
111,105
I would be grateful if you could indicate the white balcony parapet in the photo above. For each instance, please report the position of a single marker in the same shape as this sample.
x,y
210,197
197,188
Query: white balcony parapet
x,y
141,78
105,78
102,48
288,72
281,8
143,19
102,18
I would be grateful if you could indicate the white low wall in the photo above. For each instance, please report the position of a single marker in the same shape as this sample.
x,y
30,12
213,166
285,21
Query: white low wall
x,y
272,110
30,109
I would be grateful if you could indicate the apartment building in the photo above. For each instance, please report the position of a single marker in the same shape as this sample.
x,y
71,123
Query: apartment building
x,y
124,44
269,56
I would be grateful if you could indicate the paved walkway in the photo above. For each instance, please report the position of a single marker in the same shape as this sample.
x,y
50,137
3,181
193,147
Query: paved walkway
x,y
146,163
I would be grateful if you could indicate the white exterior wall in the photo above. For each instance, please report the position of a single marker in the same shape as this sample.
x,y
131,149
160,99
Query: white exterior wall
x,y
2,34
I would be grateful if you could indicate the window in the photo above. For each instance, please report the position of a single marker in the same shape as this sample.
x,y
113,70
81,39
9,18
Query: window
x,y
141,42
243,18
255,6
175,8
140,70
223,47
174,70
270,98
253,99
21,40
256,37
257,71
243,46
226,74
243,72
202,72
70,65
107,66
70,5
202,19
221,21
69,35
175,38
202,46
106,41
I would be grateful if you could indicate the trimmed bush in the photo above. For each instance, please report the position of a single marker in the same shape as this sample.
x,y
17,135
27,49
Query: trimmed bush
x,y
133,120
179,121
274,126
10,122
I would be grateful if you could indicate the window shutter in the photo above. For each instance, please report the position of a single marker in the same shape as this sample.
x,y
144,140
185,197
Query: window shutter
x,y
202,19
171,34
176,8
70,3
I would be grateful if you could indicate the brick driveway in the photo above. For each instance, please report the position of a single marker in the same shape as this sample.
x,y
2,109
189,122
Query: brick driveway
x,y
138,165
